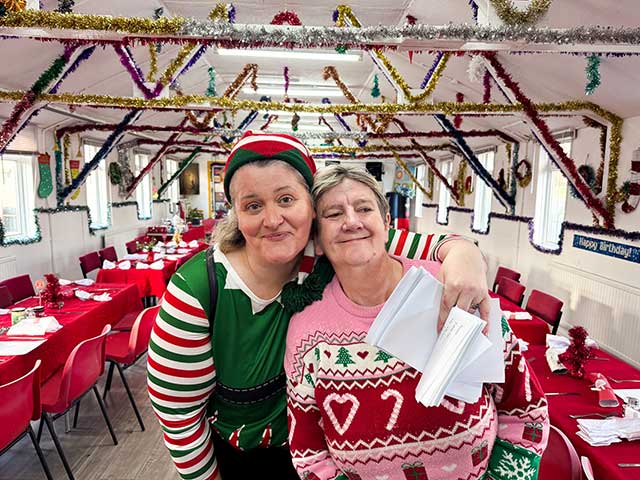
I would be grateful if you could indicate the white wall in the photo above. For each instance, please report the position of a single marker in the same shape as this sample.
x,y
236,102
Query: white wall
x,y
601,293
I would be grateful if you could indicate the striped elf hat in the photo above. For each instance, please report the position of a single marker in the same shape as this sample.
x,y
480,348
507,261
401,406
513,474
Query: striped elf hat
x,y
269,146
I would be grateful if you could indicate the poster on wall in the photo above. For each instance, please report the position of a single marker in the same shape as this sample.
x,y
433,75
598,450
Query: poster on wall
x,y
216,173
190,180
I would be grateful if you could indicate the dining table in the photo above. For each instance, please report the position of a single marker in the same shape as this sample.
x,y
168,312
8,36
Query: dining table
x,y
80,319
533,331
573,396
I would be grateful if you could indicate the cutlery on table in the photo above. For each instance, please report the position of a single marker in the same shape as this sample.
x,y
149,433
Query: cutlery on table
x,y
584,415
629,465
621,380
561,393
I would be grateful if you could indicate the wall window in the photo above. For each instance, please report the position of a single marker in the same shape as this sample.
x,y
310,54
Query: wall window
x,y
551,199
96,186
444,196
483,194
174,194
143,190
419,198
17,195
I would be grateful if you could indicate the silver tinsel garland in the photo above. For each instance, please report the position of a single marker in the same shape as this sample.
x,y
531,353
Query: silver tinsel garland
x,y
357,136
381,35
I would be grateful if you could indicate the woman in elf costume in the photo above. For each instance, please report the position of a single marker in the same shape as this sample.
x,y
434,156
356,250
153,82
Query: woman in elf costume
x,y
352,407
216,377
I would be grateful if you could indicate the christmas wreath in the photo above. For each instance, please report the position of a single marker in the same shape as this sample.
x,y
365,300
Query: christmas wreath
x,y
524,173
115,173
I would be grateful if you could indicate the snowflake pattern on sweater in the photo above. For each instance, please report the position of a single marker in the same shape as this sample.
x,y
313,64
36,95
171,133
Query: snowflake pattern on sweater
x,y
353,414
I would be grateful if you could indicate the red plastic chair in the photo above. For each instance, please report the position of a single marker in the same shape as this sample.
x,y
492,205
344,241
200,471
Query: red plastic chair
x,y
70,383
545,306
108,253
125,348
505,272
132,246
511,290
560,460
20,287
89,263
20,403
6,298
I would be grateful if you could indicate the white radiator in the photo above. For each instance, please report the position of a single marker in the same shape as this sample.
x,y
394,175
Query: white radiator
x,y
8,267
608,309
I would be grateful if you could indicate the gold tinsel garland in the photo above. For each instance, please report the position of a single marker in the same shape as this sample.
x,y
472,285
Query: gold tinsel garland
x,y
169,73
459,184
431,177
378,148
153,66
345,13
219,13
14,5
403,165
66,146
510,15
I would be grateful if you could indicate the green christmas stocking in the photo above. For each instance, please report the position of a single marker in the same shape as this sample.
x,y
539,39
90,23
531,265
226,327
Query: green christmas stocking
x,y
45,187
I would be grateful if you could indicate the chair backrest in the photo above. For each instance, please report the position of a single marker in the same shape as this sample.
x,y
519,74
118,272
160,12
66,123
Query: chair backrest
x,y
505,272
20,287
560,459
89,263
20,401
108,253
141,331
132,246
511,290
6,298
587,469
83,367
545,306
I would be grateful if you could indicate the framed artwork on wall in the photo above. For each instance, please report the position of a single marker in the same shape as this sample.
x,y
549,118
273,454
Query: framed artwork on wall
x,y
190,180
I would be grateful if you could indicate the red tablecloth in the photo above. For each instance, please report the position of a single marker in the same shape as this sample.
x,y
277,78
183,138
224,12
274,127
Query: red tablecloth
x,y
603,459
533,331
80,320
194,233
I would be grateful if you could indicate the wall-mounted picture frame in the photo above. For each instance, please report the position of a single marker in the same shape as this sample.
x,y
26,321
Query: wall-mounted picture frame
x,y
190,180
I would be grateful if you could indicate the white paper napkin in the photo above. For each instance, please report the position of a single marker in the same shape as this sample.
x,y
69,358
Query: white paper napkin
x,y
85,282
107,265
64,282
171,244
135,256
171,250
141,266
105,297
4,311
160,244
193,243
156,249
172,258
182,244
35,326
157,265
82,295
183,250
126,265
517,315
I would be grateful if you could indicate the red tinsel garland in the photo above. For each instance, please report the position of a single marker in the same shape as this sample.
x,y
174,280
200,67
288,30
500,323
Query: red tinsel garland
x,y
457,119
592,202
286,16
577,353
51,293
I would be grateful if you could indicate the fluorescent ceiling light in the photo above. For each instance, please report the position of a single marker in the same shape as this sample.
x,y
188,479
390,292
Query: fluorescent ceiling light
x,y
289,54
301,128
295,92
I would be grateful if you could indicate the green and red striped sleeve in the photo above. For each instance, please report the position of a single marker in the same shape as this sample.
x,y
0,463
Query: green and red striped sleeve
x,y
181,377
417,245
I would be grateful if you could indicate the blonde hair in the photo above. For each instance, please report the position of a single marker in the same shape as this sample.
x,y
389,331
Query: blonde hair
x,y
227,234
333,175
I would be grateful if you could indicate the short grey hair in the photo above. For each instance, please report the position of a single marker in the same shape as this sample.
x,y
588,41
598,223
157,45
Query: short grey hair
x,y
333,175
227,234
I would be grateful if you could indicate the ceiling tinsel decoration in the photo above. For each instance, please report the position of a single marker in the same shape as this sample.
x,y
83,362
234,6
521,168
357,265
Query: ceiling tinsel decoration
x,y
286,16
375,91
223,12
593,74
285,73
457,120
211,88
65,6
13,5
511,15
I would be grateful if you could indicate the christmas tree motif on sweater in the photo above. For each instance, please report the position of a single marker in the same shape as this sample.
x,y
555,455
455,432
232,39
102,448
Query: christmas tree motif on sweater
x,y
382,356
515,468
266,437
234,438
344,357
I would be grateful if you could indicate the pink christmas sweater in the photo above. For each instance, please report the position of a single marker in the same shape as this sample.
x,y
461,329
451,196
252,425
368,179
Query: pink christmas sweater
x,y
353,415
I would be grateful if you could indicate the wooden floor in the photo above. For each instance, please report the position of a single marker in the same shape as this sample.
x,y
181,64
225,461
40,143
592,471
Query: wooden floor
x,y
89,448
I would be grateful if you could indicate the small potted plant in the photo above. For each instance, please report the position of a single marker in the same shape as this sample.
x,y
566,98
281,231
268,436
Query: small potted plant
x,y
195,216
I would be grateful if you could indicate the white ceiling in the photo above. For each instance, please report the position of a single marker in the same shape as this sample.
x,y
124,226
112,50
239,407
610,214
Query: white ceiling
x,y
542,77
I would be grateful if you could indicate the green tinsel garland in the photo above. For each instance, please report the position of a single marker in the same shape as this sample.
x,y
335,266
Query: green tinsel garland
x,y
375,91
593,74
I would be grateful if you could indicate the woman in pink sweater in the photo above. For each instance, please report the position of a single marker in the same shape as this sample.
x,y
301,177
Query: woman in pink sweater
x,y
351,406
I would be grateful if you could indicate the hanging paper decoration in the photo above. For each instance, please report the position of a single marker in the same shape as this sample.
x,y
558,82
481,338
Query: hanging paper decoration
x,y
74,167
65,6
45,186
375,91
457,119
476,69
211,88
294,121
285,73
593,74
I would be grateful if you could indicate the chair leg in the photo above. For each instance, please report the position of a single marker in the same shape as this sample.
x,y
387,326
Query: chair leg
x,y
58,445
39,436
107,384
104,414
131,399
75,415
43,461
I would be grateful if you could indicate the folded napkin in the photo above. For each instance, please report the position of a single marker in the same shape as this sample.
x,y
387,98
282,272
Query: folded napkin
x,y
560,343
606,395
171,250
611,430
125,265
35,326
82,295
555,365
107,265
172,258
182,244
157,265
105,297
64,282
517,315
156,249
135,256
141,266
183,250
85,282
171,244
4,311
160,244
193,244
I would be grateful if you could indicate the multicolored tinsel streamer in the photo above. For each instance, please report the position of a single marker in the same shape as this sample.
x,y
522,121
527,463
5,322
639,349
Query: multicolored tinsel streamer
x,y
285,73
375,91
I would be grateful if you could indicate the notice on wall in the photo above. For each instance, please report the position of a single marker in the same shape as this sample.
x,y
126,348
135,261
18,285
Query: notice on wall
x,y
605,247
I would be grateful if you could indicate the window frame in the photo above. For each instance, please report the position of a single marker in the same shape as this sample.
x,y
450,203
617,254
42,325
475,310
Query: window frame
x,y
144,186
444,196
483,195
24,196
101,218
421,173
